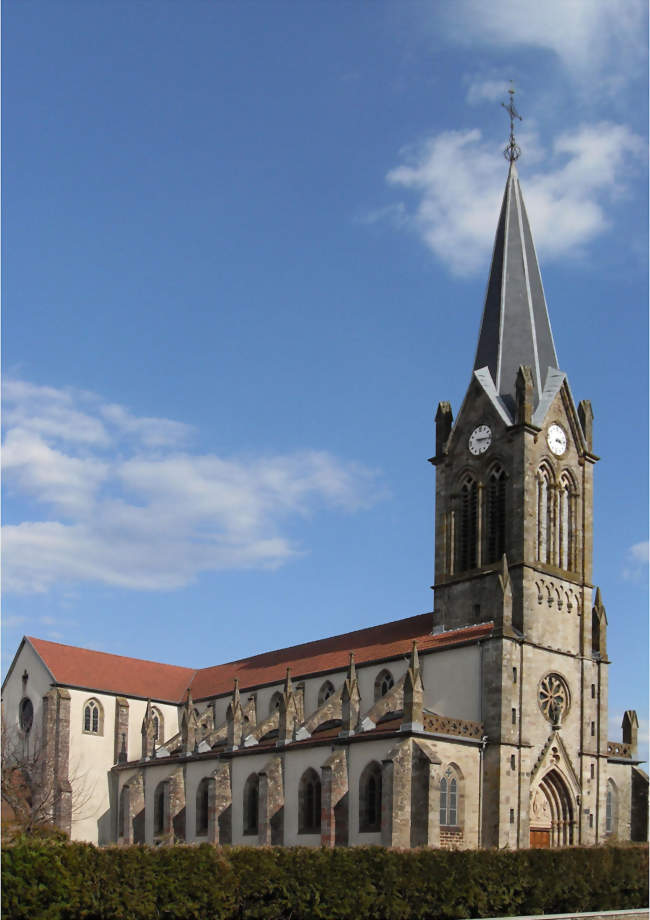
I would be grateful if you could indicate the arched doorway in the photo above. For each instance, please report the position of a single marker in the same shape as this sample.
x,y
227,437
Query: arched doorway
x,y
552,814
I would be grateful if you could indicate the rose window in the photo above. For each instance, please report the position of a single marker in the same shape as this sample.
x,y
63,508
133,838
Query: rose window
x,y
553,698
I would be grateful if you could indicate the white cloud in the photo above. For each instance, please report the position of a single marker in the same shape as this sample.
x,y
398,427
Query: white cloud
x,y
481,90
592,38
153,518
456,181
637,558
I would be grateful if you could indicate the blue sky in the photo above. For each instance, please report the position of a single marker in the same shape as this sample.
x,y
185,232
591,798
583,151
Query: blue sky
x,y
245,247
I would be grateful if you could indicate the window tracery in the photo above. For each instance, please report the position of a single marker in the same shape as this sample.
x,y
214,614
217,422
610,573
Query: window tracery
x,y
449,799
93,722
383,684
544,515
553,698
325,692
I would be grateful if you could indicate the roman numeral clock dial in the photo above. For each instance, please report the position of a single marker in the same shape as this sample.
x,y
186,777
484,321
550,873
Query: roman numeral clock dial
x,y
479,440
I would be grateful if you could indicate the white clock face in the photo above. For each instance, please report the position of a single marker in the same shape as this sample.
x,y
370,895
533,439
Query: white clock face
x,y
479,440
556,439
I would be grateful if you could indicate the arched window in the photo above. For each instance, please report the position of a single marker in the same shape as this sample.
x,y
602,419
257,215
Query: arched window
x,y
325,692
159,800
251,804
566,501
26,714
595,632
468,524
383,684
610,808
275,703
309,799
496,514
202,802
544,515
370,799
450,799
93,718
158,725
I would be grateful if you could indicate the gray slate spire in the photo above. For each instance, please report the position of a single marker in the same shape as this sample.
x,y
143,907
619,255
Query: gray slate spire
x,y
515,329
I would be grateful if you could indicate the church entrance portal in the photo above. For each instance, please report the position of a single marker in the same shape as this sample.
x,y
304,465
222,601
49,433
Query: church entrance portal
x,y
552,816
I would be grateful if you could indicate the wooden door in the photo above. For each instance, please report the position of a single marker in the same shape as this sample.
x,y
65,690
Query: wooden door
x,y
540,838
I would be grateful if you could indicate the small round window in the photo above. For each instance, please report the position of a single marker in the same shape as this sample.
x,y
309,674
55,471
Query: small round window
x,y
26,714
553,698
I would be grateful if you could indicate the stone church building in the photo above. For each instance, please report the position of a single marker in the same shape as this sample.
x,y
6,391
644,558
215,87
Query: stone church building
x,y
481,723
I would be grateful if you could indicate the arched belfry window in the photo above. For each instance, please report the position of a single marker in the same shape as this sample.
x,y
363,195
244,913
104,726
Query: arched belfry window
x,y
468,531
544,515
496,514
567,512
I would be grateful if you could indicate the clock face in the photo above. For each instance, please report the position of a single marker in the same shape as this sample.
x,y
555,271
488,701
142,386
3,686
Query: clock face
x,y
556,439
479,440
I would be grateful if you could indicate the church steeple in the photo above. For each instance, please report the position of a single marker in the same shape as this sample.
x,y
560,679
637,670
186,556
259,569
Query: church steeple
x,y
515,329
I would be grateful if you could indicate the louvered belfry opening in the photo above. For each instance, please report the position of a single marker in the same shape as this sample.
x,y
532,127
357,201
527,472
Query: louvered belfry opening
x,y
496,514
468,524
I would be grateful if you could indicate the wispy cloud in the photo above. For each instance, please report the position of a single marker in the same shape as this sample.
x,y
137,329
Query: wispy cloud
x,y
128,504
600,43
636,561
455,181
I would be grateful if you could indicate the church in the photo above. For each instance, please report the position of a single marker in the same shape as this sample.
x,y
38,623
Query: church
x,y
482,723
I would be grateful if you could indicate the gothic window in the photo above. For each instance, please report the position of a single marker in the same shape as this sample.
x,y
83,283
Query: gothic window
x,y
370,799
309,803
26,714
468,537
325,692
544,515
159,797
251,804
276,701
158,725
553,698
449,799
496,514
566,502
202,799
383,684
93,722
610,808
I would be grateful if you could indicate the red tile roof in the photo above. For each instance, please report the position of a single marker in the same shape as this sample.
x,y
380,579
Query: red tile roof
x,y
81,667
76,667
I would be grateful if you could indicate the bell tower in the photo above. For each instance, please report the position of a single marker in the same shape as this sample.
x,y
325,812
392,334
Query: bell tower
x,y
513,543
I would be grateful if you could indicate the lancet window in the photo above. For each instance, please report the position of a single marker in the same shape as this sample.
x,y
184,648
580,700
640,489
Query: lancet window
x,y
251,800
496,514
370,798
202,803
468,536
545,493
93,718
309,803
566,502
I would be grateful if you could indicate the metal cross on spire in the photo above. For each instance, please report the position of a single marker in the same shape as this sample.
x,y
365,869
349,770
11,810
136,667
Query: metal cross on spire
x,y
512,151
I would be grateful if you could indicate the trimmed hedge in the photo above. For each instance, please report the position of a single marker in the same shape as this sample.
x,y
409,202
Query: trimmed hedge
x,y
69,881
